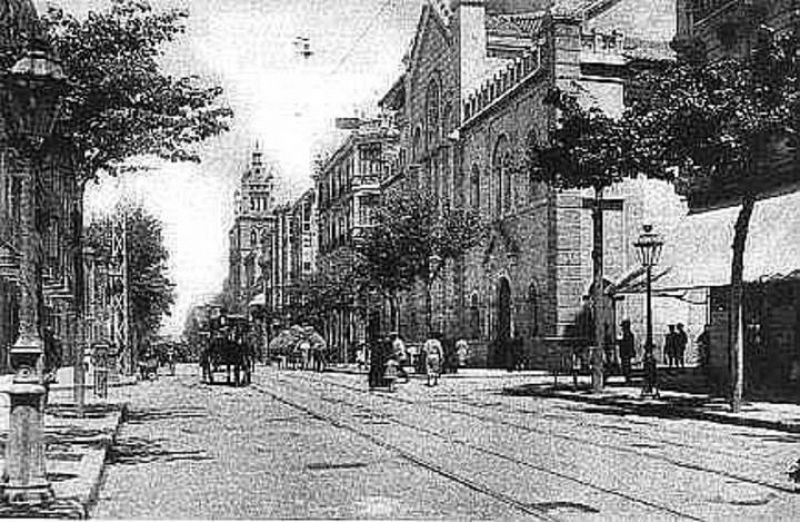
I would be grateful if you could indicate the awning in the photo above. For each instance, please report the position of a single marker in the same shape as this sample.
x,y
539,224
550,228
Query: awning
x,y
259,300
698,251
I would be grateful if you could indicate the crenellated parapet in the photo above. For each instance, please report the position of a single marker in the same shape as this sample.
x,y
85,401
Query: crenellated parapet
x,y
505,81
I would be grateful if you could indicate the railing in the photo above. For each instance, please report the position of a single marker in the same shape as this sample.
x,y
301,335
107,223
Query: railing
x,y
603,43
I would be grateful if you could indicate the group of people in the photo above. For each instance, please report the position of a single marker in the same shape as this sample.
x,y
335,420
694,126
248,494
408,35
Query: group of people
x,y
675,346
389,357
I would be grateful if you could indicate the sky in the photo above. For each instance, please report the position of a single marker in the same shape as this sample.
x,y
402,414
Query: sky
x,y
285,102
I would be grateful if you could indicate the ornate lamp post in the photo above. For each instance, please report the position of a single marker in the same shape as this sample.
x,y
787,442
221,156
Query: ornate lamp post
x,y
31,98
648,249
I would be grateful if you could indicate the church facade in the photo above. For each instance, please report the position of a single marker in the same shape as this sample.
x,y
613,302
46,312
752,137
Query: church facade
x,y
470,104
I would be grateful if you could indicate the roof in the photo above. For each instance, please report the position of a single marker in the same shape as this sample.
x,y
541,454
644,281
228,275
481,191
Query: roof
x,y
519,26
698,252
18,24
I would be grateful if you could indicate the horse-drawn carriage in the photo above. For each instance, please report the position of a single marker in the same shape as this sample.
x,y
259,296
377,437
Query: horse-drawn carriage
x,y
228,349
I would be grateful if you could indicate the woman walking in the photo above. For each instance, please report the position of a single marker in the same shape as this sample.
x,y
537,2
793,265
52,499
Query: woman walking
x,y
433,359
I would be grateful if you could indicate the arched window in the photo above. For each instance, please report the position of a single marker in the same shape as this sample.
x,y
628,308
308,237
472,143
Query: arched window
x,y
474,317
447,124
253,239
532,145
533,309
500,176
415,152
508,182
475,187
432,113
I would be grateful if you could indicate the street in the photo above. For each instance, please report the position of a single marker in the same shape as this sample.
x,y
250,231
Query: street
x,y
321,446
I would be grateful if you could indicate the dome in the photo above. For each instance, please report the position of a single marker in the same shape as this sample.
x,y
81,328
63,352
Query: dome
x,y
19,22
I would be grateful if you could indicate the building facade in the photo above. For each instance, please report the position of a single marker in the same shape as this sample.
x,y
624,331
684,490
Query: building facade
x,y
470,103
253,227
348,188
698,253
41,210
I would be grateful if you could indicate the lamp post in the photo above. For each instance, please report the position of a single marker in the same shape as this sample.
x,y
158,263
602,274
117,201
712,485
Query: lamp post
x,y
648,249
31,92
434,265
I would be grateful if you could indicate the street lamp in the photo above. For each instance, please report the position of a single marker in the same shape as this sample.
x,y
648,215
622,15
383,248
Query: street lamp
x,y
31,94
648,249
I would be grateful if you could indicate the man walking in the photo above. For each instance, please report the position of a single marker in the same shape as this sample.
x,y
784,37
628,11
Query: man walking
x,y
671,347
627,351
681,341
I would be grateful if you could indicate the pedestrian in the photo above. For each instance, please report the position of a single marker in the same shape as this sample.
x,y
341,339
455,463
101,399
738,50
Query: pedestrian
x,y
400,354
681,341
670,347
377,361
361,356
433,358
461,352
390,372
627,350
516,348
305,354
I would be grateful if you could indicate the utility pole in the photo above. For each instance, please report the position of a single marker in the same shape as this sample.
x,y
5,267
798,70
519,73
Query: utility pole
x,y
598,205
120,295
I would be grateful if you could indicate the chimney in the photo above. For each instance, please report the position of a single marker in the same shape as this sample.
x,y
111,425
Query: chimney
x,y
468,24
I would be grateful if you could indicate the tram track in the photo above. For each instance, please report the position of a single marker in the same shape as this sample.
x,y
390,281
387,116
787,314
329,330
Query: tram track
x,y
582,440
506,499
427,464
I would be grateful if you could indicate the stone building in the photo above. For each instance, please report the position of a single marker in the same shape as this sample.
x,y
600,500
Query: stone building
x,y
470,102
695,287
348,187
42,179
253,226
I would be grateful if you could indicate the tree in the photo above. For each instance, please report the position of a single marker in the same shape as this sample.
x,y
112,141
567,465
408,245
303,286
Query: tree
x,y
410,229
338,282
151,289
713,124
587,149
120,103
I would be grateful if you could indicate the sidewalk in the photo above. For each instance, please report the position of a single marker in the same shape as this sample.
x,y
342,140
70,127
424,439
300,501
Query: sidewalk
x,y
671,404
76,448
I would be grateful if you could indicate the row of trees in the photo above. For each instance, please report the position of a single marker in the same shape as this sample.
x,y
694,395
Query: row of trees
x,y
703,125
412,236
120,107
151,291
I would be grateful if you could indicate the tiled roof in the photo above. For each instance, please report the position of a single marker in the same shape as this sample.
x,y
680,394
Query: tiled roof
x,y
519,26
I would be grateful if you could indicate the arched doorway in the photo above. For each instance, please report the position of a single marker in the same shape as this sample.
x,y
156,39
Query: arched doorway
x,y
503,332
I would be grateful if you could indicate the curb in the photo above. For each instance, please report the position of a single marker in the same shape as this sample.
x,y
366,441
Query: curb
x,y
97,464
667,410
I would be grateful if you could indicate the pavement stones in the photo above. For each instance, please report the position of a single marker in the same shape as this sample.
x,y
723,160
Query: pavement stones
x,y
76,452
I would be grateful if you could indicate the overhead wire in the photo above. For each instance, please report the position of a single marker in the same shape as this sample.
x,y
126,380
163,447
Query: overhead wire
x,y
361,36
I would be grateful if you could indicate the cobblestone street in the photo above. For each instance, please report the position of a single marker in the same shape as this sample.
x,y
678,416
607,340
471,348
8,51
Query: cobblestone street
x,y
303,445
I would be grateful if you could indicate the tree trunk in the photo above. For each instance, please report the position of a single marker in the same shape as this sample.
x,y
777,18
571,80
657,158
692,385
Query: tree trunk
x,y
394,313
429,307
736,315
599,308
